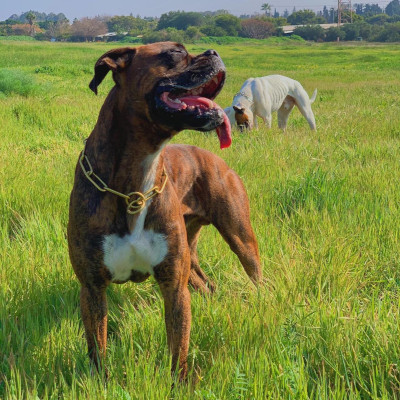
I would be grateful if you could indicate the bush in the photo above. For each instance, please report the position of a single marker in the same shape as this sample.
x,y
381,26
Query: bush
x,y
193,33
311,32
390,33
16,38
17,82
130,39
333,33
169,34
257,28
212,30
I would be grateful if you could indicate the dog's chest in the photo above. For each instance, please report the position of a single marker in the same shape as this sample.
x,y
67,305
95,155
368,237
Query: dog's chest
x,y
139,251
142,249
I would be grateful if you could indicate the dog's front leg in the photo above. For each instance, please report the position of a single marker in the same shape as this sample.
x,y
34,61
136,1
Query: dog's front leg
x,y
94,316
174,288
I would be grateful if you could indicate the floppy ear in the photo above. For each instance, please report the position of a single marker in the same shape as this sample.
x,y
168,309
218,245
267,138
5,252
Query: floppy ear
x,y
238,110
116,60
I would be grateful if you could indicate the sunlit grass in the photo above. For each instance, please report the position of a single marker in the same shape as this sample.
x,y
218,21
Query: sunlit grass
x,y
325,207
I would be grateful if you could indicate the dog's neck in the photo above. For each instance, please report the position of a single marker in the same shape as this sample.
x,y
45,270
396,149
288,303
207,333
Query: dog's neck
x,y
125,148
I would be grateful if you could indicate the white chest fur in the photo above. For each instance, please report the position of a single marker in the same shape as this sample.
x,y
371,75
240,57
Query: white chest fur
x,y
141,250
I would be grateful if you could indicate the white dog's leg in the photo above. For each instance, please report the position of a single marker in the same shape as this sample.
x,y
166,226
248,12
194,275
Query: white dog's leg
x,y
267,120
284,112
304,105
309,116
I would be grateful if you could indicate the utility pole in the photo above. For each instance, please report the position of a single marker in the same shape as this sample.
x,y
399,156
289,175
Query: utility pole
x,y
344,12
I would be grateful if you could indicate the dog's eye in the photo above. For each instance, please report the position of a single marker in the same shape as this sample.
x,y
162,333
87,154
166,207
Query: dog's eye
x,y
173,56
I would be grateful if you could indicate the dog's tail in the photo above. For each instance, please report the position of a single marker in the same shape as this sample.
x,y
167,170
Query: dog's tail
x,y
314,96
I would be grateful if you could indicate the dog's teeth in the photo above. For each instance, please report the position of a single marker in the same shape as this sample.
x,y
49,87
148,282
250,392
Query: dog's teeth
x,y
177,101
215,80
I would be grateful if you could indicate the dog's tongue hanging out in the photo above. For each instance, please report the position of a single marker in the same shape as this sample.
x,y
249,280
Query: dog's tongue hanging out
x,y
203,103
224,130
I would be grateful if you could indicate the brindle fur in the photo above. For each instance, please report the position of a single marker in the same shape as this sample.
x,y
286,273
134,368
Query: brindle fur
x,y
201,190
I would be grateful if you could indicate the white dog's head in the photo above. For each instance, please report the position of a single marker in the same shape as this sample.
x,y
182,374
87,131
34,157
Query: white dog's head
x,y
244,117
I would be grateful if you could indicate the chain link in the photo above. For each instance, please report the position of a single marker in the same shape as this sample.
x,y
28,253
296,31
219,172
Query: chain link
x,y
135,201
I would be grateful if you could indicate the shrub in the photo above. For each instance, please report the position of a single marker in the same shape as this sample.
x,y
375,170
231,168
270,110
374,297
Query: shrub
x,y
17,82
257,28
311,32
333,33
169,34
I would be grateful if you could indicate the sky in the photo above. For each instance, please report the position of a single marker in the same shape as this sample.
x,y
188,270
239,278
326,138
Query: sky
x,y
154,8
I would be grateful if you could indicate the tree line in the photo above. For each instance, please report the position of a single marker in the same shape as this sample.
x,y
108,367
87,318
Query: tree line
x,y
368,21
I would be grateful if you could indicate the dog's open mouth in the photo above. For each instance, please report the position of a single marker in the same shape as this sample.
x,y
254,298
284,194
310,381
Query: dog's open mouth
x,y
195,107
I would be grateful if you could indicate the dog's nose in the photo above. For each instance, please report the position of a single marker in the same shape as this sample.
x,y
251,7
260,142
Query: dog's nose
x,y
211,53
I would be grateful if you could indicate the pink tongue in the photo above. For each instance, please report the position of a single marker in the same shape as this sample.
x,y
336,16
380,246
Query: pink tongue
x,y
224,130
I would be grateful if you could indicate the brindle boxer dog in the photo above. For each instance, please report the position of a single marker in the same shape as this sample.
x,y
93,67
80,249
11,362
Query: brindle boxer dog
x,y
137,205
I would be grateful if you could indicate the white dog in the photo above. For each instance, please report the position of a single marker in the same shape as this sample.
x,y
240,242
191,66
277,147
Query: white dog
x,y
263,96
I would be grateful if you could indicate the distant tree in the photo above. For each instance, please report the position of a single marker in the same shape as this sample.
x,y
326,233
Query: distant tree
x,y
212,30
279,21
257,28
332,15
128,24
180,20
267,8
31,17
372,9
333,34
25,29
325,13
304,17
351,31
59,30
393,8
314,32
169,34
193,33
285,13
390,33
378,19
88,28
229,23
276,14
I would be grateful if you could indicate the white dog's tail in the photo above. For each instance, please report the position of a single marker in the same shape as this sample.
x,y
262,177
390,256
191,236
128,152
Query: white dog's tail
x,y
314,96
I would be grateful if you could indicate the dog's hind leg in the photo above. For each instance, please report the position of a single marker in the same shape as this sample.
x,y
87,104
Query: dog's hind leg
x,y
284,112
304,105
236,229
94,316
197,279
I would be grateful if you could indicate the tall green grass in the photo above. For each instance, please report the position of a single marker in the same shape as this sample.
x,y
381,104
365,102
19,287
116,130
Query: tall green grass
x,y
325,208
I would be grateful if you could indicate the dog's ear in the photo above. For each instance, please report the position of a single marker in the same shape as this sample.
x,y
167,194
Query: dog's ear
x,y
115,60
238,110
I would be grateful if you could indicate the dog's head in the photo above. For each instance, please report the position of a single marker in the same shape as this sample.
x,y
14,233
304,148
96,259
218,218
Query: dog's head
x,y
243,117
168,87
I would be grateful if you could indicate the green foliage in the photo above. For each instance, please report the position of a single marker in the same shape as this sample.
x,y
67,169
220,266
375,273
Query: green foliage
x,y
37,16
305,17
377,19
180,20
229,23
393,8
389,33
122,24
312,32
17,82
169,34
20,38
333,33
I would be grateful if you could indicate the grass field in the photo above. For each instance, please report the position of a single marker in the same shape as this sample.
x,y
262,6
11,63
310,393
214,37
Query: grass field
x,y
325,208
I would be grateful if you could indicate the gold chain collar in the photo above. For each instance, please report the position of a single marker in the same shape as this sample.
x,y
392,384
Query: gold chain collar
x,y
135,201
